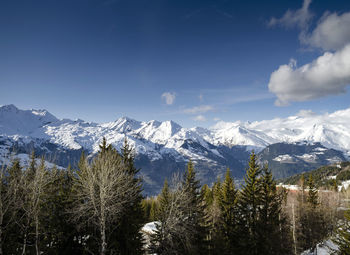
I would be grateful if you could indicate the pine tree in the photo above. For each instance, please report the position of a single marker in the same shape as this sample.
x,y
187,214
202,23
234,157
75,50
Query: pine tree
x,y
182,230
312,197
153,214
130,239
248,206
158,239
194,213
343,236
313,225
61,236
10,198
271,219
207,195
164,200
228,208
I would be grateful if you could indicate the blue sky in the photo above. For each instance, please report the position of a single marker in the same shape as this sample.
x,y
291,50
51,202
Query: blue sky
x,y
193,62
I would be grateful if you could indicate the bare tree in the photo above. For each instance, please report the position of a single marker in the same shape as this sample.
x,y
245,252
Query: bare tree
x,y
35,181
103,189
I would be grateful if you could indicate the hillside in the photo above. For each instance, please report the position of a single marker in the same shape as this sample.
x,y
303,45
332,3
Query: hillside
x,y
324,176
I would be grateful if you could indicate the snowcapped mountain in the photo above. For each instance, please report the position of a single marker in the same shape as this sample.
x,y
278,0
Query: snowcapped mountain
x,y
165,147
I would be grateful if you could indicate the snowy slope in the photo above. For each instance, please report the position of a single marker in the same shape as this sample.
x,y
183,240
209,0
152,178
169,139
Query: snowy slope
x,y
331,130
155,138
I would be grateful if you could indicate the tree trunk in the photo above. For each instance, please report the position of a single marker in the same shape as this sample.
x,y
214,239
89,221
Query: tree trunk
x,y
24,244
37,236
1,241
103,237
294,238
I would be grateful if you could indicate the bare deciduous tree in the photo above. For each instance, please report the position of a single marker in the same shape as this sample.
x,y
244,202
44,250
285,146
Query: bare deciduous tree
x,y
35,182
103,189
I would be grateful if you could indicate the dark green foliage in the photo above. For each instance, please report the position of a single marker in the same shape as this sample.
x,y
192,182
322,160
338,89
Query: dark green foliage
x,y
313,225
321,176
262,226
343,236
248,204
61,235
207,195
182,229
312,197
194,213
228,215
128,235
344,175
271,219
164,200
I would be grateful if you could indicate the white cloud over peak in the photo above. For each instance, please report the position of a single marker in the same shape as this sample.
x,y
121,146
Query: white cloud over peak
x,y
293,18
199,118
306,113
331,33
329,74
199,109
168,97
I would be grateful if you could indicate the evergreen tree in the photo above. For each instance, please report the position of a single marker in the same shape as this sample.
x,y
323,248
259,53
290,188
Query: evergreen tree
x,y
248,206
312,197
182,230
271,219
313,224
153,214
159,239
164,200
194,213
207,195
61,237
10,198
228,223
343,236
130,239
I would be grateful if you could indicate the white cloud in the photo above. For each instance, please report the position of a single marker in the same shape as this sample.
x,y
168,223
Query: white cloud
x,y
329,74
168,97
200,97
199,109
199,118
331,33
293,18
306,113
216,119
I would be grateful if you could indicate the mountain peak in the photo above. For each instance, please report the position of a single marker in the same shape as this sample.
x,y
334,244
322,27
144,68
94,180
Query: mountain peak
x,y
8,108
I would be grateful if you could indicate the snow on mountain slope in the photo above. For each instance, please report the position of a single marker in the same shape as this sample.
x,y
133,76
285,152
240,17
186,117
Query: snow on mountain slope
x,y
155,138
331,130
14,121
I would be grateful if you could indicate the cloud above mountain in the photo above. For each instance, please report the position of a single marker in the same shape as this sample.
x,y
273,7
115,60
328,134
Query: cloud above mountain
x,y
168,97
199,109
292,18
331,33
329,74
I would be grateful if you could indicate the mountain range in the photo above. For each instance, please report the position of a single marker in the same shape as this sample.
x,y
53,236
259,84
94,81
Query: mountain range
x,y
289,145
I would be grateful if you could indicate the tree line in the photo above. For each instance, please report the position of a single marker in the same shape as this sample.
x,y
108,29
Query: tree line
x,y
98,208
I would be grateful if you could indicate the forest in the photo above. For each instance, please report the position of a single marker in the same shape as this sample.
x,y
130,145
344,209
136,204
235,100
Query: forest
x,y
98,208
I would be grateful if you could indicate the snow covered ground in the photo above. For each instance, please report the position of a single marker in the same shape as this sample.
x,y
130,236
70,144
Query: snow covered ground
x,y
326,248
